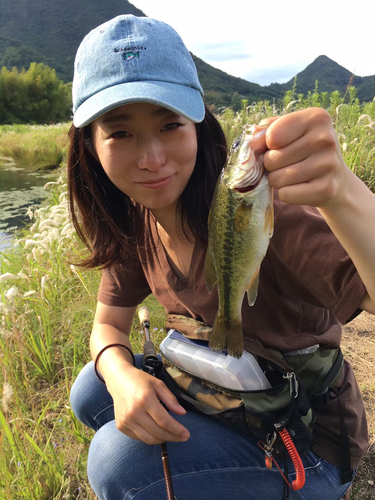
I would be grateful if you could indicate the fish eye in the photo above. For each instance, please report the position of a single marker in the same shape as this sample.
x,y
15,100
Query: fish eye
x,y
236,143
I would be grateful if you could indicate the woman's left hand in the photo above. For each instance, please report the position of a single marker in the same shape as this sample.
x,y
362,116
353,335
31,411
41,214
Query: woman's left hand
x,y
304,158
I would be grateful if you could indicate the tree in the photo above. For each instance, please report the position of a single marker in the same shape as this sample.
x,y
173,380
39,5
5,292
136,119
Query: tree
x,y
33,96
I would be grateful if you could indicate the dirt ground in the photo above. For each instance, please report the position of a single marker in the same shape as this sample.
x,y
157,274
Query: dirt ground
x,y
358,346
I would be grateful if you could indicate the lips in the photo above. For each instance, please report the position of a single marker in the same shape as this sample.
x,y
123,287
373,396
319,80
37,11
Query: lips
x,y
157,183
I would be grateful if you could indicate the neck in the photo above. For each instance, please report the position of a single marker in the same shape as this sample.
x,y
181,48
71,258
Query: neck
x,y
167,227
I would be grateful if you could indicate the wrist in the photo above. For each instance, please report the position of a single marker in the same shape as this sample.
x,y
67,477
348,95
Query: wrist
x,y
112,356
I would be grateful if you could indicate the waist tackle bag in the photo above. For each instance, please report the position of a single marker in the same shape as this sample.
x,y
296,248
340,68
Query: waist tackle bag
x,y
282,416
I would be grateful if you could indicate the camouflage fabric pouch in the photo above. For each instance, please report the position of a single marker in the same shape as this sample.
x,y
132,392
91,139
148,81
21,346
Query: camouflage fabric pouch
x,y
288,404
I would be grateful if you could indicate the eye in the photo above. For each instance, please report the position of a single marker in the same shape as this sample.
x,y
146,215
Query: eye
x,y
172,126
236,143
120,134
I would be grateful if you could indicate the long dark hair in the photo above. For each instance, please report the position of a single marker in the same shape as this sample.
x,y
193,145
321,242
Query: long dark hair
x,y
109,223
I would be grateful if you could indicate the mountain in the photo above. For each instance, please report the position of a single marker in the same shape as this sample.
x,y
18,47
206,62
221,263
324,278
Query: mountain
x,y
50,32
222,89
331,76
25,38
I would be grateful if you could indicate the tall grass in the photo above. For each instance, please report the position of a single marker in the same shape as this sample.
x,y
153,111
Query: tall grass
x,y
46,312
38,147
353,121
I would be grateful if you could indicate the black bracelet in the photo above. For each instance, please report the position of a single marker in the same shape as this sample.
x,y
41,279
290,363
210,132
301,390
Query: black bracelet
x,y
101,352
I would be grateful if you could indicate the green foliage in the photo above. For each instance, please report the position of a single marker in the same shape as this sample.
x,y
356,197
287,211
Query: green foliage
x,y
50,32
47,308
331,77
38,147
33,96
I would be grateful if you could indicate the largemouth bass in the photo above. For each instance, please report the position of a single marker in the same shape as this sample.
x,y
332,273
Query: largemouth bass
x,y
240,226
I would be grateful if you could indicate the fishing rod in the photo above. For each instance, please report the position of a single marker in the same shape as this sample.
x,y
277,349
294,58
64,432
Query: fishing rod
x,y
152,364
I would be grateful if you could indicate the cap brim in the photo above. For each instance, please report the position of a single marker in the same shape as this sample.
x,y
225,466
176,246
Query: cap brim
x,y
183,100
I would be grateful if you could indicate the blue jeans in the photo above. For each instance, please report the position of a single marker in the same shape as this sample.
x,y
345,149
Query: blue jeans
x,y
215,463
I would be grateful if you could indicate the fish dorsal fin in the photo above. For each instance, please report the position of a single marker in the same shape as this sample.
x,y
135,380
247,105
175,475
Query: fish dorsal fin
x,y
252,289
209,272
242,216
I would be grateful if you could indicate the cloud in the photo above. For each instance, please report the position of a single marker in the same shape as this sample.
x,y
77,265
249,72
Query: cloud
x,y
222,51
276,74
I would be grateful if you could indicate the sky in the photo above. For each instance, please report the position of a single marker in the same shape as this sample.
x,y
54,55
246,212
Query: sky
x,y
271,41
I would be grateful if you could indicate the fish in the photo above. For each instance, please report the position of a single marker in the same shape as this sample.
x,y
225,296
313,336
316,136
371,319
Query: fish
x,y
128,56
240,225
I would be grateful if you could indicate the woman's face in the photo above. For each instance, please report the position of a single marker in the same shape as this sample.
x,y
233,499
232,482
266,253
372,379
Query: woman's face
x,y
148,152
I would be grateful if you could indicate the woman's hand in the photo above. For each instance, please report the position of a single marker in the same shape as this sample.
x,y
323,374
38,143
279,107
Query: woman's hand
x,y
138,411
306,167
304,159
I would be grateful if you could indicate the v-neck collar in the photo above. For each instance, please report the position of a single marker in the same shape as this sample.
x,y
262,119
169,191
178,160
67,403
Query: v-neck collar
x,y
174,281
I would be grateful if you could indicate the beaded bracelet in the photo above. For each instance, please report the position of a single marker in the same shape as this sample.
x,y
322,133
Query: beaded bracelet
x,y
101,352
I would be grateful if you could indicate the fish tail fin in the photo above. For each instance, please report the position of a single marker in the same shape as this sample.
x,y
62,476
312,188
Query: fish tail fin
x,y
227,337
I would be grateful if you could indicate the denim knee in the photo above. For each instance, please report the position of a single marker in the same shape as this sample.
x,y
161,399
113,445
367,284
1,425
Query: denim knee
x,y
89,399
118,466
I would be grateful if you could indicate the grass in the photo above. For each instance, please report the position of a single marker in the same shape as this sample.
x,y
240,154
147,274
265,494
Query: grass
x,y
38,147
46,313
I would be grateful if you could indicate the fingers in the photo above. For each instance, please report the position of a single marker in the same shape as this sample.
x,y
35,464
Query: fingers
x,y
141,415
268,121
169,399
304,160
157,427
289,128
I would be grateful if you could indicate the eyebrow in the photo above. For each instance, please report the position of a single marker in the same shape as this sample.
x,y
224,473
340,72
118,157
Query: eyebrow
x,y
128,116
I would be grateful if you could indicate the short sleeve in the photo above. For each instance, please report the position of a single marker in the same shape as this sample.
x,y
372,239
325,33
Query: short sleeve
x,y
123,285
311,253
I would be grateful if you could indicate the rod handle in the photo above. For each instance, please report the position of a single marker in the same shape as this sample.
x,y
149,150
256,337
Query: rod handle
x,y
143,314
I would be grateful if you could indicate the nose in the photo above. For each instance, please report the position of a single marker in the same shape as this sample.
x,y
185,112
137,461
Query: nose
x,y
151,154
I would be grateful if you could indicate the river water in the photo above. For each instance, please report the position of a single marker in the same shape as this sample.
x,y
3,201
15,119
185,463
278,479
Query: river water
x,y
19,189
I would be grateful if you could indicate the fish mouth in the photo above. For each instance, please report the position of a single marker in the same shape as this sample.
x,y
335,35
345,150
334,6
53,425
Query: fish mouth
x,y
246,180
247,189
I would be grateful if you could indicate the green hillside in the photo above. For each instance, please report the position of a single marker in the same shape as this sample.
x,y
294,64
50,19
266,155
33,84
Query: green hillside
x,y
222,89
49,32
331,76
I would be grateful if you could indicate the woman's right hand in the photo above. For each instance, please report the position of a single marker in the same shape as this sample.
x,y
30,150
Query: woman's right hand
x,y
138,412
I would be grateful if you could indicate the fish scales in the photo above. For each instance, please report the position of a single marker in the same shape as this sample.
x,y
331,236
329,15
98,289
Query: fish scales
x,y
240,226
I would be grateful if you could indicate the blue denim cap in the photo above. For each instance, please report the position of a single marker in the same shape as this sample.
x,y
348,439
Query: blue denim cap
x,y
134,59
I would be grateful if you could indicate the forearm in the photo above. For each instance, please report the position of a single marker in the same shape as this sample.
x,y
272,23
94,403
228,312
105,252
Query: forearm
x,y
351,218
113,358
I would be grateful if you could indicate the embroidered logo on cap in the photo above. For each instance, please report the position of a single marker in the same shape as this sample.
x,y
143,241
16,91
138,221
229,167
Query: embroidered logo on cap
x,y
128,56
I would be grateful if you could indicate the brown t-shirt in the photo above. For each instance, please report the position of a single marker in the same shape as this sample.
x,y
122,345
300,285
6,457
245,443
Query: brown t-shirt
x,y
308,287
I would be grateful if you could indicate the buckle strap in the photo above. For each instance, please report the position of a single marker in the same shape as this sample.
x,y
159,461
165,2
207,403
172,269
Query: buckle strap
x,y
346,470
321,396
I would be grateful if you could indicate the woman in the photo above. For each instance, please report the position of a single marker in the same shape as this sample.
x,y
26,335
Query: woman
x,y
144,159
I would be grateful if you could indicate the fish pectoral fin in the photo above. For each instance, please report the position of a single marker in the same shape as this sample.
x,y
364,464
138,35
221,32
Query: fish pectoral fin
x,y
209,272
252,289
269,221
242,216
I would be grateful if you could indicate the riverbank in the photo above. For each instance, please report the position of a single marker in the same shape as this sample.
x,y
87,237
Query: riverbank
x,y
45,147
47,306
35,147
46,312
